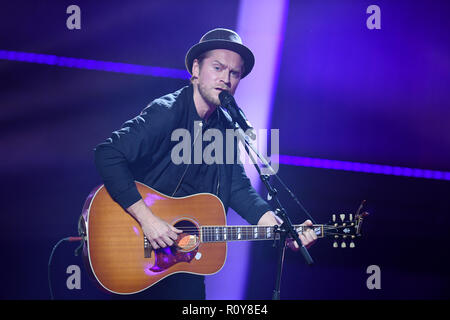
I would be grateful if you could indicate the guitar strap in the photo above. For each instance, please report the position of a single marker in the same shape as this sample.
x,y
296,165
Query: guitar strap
x,y
202,126
187,167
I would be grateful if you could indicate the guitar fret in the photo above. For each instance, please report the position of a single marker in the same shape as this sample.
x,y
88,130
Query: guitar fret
x,y
242,233
224,234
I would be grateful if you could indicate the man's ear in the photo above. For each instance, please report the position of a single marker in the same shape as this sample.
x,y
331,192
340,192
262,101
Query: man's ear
x,y
195,68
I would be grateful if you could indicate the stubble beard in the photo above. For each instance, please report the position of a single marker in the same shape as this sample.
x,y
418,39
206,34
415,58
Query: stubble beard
x,y
210,98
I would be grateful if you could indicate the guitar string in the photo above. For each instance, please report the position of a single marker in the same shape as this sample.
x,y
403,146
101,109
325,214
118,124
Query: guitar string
x,y
212,236
251,228
248,233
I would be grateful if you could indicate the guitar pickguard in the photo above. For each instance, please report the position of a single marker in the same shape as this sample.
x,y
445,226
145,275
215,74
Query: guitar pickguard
x,y
169,256
184,250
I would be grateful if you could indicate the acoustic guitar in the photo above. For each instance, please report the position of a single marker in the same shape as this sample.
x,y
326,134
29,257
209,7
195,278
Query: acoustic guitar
x,y
121,260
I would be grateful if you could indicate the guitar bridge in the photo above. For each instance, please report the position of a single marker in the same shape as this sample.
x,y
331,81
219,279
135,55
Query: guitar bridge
x,y
147,248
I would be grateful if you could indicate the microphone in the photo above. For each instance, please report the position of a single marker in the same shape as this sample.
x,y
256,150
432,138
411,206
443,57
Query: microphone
x,y
227,100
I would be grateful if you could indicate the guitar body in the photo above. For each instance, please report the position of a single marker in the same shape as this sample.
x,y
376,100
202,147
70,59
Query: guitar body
x,y
120,259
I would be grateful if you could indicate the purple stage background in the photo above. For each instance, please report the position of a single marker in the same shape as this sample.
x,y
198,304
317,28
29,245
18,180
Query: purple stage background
x,y
342,92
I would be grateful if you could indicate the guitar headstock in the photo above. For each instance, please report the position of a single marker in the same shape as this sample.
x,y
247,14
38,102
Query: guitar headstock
x,y
345,227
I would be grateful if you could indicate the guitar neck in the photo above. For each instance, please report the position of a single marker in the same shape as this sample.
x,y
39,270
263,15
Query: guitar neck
x,y
249,233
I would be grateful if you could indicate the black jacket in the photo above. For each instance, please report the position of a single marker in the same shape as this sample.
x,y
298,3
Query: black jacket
x,y
141,151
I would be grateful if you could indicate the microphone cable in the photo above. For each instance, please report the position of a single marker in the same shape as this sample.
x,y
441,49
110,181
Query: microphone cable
x,y
69,239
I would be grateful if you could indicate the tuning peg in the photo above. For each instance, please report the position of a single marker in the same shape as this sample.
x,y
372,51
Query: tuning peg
x,y
334,220
350,217
342,216
343,245
352,244
335,244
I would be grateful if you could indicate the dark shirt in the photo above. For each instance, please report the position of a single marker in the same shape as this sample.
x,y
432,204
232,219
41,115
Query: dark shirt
x,y
141,151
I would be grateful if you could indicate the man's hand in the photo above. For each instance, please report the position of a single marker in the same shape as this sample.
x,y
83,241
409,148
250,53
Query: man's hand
x,y
307,238
159,233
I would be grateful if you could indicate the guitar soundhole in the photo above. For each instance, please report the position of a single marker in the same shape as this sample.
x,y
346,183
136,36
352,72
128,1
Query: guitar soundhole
x,y
189,239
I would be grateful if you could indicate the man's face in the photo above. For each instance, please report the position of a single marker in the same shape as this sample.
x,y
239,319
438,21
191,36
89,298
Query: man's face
x,y
220,70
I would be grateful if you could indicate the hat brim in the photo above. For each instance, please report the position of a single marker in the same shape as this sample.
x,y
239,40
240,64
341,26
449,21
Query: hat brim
x,y
198,49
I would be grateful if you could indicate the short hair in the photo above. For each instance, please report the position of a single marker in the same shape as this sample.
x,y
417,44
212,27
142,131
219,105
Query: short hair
x,y
200,59
205,55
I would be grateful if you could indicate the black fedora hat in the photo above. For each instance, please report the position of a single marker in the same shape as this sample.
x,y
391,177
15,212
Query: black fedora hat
x,y
221,38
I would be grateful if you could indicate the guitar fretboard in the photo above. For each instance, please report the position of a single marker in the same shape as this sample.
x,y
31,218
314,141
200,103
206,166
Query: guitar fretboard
x,y
246,233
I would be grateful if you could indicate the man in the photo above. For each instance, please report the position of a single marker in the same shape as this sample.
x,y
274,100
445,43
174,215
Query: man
x,y
141,151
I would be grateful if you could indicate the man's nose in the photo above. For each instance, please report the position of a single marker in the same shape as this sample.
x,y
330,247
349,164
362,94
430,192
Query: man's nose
x,y
226,77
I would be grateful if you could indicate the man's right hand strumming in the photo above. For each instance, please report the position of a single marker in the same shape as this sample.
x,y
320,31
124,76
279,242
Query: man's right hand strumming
x,y
159,233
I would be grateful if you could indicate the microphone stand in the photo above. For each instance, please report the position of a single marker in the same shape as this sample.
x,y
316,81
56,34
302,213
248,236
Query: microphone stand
x,y
286,229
